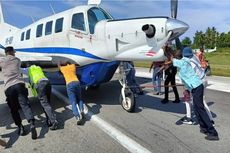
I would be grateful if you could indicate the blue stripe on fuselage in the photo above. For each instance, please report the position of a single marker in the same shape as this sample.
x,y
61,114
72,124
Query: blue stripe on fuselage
x,y
59,50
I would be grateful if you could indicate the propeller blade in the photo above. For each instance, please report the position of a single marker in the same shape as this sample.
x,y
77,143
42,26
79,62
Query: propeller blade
x,y
174,4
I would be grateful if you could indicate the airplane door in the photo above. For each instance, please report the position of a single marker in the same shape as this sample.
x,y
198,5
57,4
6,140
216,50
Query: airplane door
x,y
83,37
78,35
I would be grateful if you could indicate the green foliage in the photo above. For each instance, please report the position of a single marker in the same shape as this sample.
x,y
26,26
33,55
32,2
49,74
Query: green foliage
x,y
211,39
218,60
186,41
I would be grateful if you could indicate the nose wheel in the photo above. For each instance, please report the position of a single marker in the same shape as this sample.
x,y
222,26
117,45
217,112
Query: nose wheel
x,y
127,98
128,102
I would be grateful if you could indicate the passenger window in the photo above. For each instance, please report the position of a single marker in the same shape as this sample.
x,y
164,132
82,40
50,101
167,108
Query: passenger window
x,y
59,25
39,30
48,30
28,34
22,36
78,21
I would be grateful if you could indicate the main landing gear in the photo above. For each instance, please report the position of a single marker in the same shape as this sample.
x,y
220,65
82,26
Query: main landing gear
x,y
126,98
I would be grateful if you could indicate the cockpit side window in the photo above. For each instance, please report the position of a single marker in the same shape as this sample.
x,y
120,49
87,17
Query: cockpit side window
x,y
95,15
78,21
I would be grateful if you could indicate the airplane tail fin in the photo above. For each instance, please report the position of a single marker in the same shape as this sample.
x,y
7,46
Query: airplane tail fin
x,y
5,28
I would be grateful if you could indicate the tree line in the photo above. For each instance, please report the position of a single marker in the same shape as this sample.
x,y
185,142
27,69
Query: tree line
x,y
208,39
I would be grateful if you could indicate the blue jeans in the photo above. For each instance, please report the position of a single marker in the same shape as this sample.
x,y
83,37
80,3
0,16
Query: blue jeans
x,y
74,94
156,79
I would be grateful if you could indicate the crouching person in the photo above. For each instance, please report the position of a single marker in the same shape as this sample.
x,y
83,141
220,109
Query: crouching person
x,y
16,92
42,88
73,90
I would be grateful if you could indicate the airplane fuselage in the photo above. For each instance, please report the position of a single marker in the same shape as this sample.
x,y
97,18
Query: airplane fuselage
x,y
88,34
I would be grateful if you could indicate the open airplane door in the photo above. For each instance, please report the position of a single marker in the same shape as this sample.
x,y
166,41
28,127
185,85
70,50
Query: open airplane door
x,y
94,2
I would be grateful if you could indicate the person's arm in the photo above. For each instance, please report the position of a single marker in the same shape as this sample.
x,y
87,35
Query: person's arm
x,y
59,65
151,67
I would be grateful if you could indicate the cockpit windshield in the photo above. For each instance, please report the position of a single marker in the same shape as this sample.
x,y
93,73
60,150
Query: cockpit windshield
x,y
95,15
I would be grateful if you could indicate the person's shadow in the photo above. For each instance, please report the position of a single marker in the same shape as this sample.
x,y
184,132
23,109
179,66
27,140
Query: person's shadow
x,y
7,121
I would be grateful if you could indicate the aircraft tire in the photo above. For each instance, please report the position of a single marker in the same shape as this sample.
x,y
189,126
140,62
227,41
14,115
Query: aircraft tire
x,y
129,103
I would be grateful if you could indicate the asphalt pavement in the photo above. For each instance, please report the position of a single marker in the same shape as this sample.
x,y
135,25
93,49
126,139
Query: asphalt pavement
x,y
153,127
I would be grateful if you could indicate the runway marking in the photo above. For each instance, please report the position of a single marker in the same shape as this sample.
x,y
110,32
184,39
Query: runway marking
x,y
121,138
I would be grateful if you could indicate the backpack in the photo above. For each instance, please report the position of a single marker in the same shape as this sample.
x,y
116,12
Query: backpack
x,y
197,67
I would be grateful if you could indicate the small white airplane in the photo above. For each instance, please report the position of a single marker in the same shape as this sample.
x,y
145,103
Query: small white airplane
x,y
90,37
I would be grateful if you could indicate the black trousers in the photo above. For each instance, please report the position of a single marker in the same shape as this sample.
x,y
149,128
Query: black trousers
x,y
171,79
200,111
44,90
17,96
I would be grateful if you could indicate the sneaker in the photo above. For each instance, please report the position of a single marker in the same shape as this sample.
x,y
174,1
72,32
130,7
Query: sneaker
x,y
176,101
164,101
2,143
186,120
159,93
54,126
212,137
213,123
21,130
33,132
79,120
82,114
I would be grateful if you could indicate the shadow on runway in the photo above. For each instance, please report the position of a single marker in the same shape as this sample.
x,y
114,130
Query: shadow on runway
x,y
7,121
108,94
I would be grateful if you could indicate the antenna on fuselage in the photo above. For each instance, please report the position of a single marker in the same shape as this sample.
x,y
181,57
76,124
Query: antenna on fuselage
x,y
32,18
52,9
94,2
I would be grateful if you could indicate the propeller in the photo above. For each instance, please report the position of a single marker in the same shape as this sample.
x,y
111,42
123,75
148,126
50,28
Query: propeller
x,y
174,6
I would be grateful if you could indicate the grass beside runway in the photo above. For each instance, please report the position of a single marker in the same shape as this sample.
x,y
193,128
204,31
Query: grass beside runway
x,y
219,62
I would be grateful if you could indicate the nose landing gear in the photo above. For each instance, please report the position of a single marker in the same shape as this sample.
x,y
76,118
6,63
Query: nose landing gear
x,y
127,98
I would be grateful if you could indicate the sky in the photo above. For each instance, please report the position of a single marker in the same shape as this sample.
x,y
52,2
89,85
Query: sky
x,y
198,14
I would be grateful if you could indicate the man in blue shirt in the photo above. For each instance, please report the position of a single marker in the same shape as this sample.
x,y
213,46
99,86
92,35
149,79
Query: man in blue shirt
x,y
194,84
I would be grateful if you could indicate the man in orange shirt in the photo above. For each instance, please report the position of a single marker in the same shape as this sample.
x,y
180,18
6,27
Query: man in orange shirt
x,y
73,90
201,57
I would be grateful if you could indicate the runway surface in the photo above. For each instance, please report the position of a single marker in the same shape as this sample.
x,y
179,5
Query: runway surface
x,y
153,127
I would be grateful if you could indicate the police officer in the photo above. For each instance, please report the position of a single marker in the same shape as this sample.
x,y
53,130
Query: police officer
x,y
42,89
16,92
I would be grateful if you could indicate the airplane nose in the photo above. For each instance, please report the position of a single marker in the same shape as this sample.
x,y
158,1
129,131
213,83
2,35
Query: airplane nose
x,y
177,27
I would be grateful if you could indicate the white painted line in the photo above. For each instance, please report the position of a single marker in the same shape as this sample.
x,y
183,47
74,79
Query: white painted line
x,y
121,138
